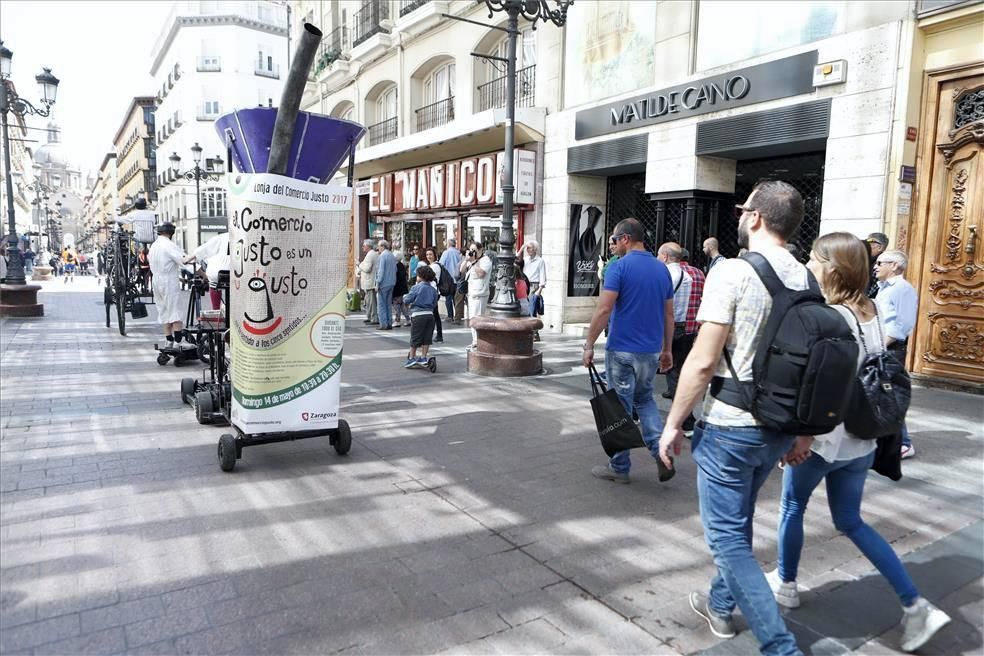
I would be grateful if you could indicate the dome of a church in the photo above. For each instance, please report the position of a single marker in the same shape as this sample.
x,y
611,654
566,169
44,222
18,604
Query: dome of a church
x,y
51,154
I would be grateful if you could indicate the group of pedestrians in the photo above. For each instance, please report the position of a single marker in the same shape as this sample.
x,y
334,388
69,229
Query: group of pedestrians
x,y
645,305
393,299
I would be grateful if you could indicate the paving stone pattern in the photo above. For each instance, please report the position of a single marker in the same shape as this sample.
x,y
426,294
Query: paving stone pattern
x,y
464,520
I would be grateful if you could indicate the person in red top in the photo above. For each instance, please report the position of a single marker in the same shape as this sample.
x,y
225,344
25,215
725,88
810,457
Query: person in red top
x,y
696,292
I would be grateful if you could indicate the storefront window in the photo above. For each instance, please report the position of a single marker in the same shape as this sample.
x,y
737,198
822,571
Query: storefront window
x,y
730,31
486,230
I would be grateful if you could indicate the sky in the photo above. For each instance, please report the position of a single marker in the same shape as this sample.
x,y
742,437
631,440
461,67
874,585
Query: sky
x,y
100,51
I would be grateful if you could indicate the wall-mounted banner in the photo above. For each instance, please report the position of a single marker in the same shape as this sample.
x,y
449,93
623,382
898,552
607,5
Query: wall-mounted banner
x,y
289,247
587,239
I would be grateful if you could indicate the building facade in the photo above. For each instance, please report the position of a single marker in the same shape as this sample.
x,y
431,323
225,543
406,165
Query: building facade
x,y
670,112
136,155
430,166
210,58
105,202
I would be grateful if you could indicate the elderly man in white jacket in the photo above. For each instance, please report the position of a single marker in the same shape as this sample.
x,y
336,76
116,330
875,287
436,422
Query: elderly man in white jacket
x,y
165,263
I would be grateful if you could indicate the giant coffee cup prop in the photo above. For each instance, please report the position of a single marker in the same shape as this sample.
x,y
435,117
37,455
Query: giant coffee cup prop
x,y
288,258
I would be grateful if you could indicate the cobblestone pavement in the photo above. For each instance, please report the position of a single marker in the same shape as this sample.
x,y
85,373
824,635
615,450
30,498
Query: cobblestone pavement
x,y
464,520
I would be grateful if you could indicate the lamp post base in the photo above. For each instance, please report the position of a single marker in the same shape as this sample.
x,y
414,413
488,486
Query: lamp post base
x,y
505,347
20,301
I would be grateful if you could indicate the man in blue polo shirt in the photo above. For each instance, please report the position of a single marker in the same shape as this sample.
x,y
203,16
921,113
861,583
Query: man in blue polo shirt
x,y
637,306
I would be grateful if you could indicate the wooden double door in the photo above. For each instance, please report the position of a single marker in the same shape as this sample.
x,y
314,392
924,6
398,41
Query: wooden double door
x,y
945,238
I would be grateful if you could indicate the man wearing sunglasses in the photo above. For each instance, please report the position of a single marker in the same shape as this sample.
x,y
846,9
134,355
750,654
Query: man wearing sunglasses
x,y
637,306
734,453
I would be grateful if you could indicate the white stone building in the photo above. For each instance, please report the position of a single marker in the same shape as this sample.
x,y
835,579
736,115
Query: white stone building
x,y
670,112
210,58
428,168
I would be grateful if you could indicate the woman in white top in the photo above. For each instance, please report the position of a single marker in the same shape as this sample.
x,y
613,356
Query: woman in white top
x,y
840,263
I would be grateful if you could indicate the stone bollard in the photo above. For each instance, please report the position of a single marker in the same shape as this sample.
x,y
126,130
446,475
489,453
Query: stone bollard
x,y
505,347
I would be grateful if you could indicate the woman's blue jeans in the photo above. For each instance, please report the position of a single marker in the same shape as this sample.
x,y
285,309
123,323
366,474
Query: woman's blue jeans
x,y
845,486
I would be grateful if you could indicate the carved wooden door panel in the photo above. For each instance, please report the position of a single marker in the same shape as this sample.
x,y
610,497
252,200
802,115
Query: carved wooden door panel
x,y
949,335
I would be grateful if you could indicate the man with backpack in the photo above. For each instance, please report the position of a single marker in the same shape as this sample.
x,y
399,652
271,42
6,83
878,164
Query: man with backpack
x,y
753,344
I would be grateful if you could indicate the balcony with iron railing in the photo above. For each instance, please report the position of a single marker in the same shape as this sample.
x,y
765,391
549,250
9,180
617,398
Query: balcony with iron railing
x,y
334,46
492,95
267,70
368,20
406,6
383,131
435,114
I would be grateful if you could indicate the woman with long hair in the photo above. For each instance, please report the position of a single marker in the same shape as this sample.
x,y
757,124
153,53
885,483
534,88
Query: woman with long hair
x,y
839,262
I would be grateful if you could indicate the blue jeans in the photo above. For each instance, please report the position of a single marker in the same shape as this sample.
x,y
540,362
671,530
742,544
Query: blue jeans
x,y
631,375
906,440
449,305
845,486
733,463
384,306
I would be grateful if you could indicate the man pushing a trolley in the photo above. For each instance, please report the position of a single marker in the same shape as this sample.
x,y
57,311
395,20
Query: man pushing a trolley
x,y
166,259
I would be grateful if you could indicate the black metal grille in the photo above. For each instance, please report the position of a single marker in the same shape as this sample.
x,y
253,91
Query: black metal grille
x,y
406,6
333,47
493,94
662,220
435,114
383,131
368,18
805,173
713,214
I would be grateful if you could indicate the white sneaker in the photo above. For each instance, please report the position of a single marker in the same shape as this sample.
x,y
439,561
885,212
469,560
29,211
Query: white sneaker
x,y
787,593
908,451
920,622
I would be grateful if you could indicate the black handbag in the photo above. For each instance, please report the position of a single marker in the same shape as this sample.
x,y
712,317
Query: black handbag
x,y
882,391
616,429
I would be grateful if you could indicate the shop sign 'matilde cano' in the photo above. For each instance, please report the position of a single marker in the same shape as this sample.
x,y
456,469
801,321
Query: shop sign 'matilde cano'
x,y
790,76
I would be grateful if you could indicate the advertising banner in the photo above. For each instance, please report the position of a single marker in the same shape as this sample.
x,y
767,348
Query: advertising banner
x,y
587,239
289,247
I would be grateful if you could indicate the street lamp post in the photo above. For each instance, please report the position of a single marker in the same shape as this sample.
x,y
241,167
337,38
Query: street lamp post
x,y
505,303
11,102
197,174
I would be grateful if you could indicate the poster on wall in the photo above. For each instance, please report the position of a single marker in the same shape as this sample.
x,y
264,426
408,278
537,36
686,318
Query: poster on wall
x,y
610,49
587,238
288,287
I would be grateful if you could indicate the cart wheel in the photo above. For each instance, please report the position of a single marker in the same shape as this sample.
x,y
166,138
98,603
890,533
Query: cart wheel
x,y
204,407
227,452
187,389
163,359
432,365
343,441
121,314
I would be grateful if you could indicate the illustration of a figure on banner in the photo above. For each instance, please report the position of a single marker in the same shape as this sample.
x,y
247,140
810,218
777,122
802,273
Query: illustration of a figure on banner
x,y
587,238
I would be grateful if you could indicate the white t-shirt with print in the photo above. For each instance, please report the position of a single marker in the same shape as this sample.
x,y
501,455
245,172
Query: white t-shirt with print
x,y
735,296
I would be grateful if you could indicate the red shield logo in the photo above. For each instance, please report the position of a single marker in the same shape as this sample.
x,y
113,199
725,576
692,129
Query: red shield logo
x,y
305,416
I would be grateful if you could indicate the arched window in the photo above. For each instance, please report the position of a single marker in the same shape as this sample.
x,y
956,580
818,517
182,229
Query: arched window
x,y
386,105
439,84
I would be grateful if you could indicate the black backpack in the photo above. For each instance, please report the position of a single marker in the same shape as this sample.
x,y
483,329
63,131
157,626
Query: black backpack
x,y
804,363
445,283
881,390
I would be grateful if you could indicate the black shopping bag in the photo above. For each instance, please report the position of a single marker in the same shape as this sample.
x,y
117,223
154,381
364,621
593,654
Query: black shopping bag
x,y
888,456
615,427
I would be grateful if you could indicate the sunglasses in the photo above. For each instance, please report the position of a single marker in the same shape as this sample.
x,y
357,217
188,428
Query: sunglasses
x,y
741,209
614,239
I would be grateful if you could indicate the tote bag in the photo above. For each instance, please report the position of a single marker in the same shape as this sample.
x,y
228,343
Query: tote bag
x,y
616,429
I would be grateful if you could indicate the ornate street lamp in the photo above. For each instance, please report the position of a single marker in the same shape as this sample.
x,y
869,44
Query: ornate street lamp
x,y
504,303
197,174
11,102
